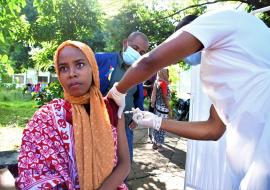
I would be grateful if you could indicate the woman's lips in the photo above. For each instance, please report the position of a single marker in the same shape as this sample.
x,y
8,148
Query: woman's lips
x,y
74,85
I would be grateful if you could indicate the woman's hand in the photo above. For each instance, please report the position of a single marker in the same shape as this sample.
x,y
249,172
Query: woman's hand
x,y
146,119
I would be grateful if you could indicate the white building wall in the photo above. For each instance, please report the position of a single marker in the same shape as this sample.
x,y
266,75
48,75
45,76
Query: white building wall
x,y
184,85
32,76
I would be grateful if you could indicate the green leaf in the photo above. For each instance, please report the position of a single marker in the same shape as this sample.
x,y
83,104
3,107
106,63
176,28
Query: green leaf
x,y
2,38
4,59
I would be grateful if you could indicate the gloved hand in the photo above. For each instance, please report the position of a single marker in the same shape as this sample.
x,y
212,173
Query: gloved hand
x,y
146,119
119,99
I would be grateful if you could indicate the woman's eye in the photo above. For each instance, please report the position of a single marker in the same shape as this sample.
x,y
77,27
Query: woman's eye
x,y
80,65
63,69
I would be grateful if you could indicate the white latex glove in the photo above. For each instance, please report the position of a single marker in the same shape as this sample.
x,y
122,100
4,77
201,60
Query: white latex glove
x,y
146,119
119,98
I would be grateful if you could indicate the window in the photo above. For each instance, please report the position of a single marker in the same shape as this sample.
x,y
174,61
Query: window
x,y
19,79
42,79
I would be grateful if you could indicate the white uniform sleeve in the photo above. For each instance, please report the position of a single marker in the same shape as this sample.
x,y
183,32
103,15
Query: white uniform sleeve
x,y
213,29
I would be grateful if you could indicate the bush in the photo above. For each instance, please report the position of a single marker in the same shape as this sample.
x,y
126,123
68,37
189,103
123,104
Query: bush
x,y
5,98
7,86
5,78
53,90
174,99
146,103
13,95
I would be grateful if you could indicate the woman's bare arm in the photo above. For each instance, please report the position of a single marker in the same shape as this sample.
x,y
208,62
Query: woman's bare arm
x,y
212,129
122,169
153,95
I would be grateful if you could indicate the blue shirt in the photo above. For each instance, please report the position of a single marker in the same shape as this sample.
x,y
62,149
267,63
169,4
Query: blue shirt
x,y
111,70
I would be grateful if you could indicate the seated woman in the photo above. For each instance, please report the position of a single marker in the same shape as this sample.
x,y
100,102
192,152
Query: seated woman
x,y
75,142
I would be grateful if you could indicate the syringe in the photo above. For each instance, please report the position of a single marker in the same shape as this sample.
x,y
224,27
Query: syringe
x,y
128,112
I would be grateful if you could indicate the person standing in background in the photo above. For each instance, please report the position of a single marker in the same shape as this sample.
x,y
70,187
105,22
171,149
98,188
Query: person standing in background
x,y
149,85
160,101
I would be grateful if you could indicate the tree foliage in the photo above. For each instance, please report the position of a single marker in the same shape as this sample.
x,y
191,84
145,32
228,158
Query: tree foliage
x,y
135,17
12,23
67,19
152,20
56,21
37,26
13,30
251,6
43,56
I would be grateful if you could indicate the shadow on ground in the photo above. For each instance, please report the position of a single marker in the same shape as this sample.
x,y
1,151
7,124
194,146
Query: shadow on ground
x,y
153,170
145,179
170,153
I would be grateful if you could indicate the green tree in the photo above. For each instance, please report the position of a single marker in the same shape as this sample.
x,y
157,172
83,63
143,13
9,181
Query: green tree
x,y
153,20
57,21
13,30
133,17
40,24
43,56
68,19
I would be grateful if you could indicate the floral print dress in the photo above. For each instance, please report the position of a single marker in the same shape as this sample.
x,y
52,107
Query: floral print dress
x,y
47,156
160,110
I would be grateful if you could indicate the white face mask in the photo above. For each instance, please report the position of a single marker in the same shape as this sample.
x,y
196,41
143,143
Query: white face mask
x,y
130,55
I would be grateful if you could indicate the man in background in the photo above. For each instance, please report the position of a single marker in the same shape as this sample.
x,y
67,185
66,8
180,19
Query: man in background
x,y
112,67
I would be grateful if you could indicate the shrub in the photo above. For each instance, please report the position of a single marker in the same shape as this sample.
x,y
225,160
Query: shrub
x,y
5,98
174,99
6,78
53,90
7,86
9,95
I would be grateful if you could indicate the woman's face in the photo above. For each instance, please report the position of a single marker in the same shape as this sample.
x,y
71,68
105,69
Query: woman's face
x,y
75,73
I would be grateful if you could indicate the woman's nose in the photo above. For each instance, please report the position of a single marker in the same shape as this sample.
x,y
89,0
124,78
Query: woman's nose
x,y
73,72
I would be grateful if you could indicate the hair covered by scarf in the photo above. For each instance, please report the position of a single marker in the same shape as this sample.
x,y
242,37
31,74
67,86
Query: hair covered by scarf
x,y
94,146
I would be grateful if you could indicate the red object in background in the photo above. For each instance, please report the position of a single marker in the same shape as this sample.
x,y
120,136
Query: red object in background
x,y
37,87
145,92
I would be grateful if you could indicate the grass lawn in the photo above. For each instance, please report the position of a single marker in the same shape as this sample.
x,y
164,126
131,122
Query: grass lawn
x,y
16,113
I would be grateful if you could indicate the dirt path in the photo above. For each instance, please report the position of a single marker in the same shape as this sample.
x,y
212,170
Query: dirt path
x,y
10,138
153,170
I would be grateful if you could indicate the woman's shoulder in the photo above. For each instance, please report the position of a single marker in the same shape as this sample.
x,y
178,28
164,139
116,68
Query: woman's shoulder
x,y
112,109
57,104
53,106
57,108
58,101
61,105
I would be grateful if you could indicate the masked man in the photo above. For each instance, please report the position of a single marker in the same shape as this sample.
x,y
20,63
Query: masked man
x,y
112,67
